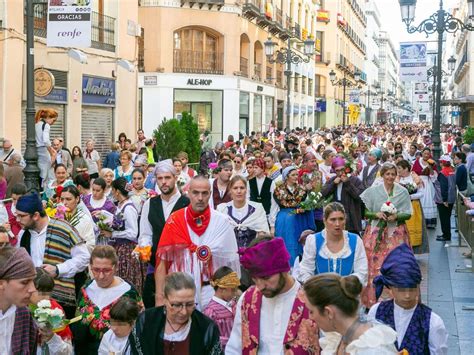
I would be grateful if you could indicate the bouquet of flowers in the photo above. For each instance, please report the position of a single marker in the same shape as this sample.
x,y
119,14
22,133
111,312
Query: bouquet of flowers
x,y
312,202
142,253
110,222
388,208
211,168
47,317
62,212
411,188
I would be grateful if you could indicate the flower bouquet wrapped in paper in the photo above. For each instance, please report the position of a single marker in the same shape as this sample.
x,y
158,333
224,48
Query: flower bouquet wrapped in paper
x,y
312,202
47,317
388,208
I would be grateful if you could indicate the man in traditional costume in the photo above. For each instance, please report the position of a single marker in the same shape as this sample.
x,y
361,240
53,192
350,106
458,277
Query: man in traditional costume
x,y
371,170
261,187
419,329
55,246
197,240
220,191
271,316
155,212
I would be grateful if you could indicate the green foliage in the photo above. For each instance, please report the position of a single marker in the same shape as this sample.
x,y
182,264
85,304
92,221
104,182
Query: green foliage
x,y
170,138
468,137
191,130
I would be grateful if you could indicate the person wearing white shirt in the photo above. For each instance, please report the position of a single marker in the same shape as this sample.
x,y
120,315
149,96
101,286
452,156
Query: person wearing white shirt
x,y
44,119
265,311
55,246
334,249
419,329
326,167
155,213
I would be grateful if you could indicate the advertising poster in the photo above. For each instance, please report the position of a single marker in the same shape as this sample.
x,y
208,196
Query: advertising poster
x,y
69,23
413,61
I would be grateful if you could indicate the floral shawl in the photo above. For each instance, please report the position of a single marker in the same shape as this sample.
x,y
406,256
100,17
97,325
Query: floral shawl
x,y
98,320
287,199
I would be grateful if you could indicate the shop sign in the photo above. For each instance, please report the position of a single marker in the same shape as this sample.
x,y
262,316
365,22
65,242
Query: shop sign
x,y
98,91
58,95
69,23
323,16
44,82
259,88
320,106
199,82
151,80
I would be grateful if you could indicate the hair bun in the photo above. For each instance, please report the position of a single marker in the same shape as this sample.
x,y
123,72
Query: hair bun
x,y
351,286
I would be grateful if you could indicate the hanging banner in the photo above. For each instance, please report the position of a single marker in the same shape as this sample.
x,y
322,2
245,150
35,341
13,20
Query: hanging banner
x,y
354,96
69,23
413,61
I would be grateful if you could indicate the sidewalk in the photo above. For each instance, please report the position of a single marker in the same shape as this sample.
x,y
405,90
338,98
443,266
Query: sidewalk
x,y
447,291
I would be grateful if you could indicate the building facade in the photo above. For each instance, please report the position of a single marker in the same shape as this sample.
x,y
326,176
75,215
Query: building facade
x,y
208,58
95,97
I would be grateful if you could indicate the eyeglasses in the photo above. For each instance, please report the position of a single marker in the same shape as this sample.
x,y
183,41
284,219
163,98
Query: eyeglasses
x,y
179,306
21,215
105,270
237,162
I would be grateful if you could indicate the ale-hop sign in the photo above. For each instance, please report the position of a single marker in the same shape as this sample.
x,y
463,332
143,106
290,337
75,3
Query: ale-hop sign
x,y
69,23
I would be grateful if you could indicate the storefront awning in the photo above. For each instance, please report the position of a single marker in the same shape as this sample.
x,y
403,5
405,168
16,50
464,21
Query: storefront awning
x,y
458,101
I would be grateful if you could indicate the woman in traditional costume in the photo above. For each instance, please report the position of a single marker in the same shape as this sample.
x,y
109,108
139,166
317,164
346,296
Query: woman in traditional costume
x,y
247,217
384,231
126,166
291,220
416,224
333,302
97,297
56,185
334,249
108,175
426,169
177,327
139,194
124,235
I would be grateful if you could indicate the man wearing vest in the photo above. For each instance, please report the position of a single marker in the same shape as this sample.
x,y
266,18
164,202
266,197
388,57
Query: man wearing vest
x,y
271,316
55,246
261,187
155,212
419,329
220,192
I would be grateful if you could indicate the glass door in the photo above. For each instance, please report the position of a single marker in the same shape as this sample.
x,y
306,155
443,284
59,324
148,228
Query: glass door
x,y
202,113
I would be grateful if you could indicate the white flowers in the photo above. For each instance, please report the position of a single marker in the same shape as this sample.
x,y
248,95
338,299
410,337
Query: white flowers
x,y
47,317
388,208
181,181
44,304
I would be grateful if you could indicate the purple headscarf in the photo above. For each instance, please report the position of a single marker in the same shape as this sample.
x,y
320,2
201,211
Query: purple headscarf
x,y
266,258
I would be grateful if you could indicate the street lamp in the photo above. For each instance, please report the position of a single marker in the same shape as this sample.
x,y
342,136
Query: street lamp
x,y
344,82
288,56
439,22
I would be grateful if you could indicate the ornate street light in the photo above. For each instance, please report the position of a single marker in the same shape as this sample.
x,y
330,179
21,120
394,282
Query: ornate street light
x,y
451,64
439,22
344,82
288,56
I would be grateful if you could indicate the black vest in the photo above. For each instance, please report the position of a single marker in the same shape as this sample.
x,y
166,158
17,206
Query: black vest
x,y
157,220
265,196
25,241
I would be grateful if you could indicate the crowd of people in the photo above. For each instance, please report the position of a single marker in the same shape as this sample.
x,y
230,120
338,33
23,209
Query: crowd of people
x,y
300,243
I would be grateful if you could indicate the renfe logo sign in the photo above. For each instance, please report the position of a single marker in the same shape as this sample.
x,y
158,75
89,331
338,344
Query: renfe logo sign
x,y
98,91
69,23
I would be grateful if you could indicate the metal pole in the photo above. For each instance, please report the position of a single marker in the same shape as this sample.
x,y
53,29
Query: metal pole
x,y
344,101
435,137
288,82
31,170
368,107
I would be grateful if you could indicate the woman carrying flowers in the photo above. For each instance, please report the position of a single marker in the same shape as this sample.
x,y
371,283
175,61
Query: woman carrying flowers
x,y
291,220
139,194
97,297
385,230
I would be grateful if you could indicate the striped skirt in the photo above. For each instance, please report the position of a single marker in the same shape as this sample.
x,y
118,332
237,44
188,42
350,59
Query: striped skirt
x,y
129,268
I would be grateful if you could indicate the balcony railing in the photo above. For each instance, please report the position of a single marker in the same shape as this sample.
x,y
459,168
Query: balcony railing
x,y
279,78
269,73
199,62
103,27
257,71
244,66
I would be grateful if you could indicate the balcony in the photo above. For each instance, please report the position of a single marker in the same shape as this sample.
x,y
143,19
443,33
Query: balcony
x,y
287,28
269,74
276,27
297,29
103,27
252,9
198,62
201,3
279,78
244,67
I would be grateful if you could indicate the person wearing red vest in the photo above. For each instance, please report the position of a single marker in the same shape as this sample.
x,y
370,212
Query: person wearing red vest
x,y
271,316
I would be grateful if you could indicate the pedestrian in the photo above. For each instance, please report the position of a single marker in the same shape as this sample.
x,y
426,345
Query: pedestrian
x,y
447,182
79,164
108,176
52,191
220,192
112,159
126,166
459,159
62,156
44,118
122,138
419,329
13,173
93,159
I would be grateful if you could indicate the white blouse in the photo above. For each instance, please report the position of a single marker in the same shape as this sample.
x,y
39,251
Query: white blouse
x,y
308,263
112,344
102,297
130,217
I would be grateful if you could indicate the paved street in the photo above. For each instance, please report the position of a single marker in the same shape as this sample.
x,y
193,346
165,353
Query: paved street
x,y
447,291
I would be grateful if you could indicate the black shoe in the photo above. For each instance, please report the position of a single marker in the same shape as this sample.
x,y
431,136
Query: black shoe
x,y
440,238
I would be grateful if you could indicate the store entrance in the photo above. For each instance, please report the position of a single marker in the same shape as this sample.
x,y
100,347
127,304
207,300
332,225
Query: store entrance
x,y
202,113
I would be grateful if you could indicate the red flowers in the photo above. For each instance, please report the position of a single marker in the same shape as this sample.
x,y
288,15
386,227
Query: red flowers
x,y
59,190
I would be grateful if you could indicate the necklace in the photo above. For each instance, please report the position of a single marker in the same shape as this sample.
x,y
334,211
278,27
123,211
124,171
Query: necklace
x,y
172,328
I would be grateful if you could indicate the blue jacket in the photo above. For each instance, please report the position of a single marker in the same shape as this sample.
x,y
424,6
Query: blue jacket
x,y
461,177
448,187
112,160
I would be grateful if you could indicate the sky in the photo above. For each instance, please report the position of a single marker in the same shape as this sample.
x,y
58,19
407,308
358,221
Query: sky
x,y
392,22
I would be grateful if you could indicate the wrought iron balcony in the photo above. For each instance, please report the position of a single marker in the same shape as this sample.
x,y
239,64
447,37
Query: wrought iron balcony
x,y
103,27
252,9
199,62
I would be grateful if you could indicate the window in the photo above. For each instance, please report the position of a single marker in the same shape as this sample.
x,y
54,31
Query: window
x,y
197,51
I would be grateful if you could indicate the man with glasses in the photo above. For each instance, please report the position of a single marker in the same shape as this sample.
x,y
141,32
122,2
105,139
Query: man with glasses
x,y
55,246
239,168
197,240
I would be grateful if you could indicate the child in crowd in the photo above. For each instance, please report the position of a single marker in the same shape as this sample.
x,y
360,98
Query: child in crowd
x,y
221,308
150,180
59,342
123,315
419,329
